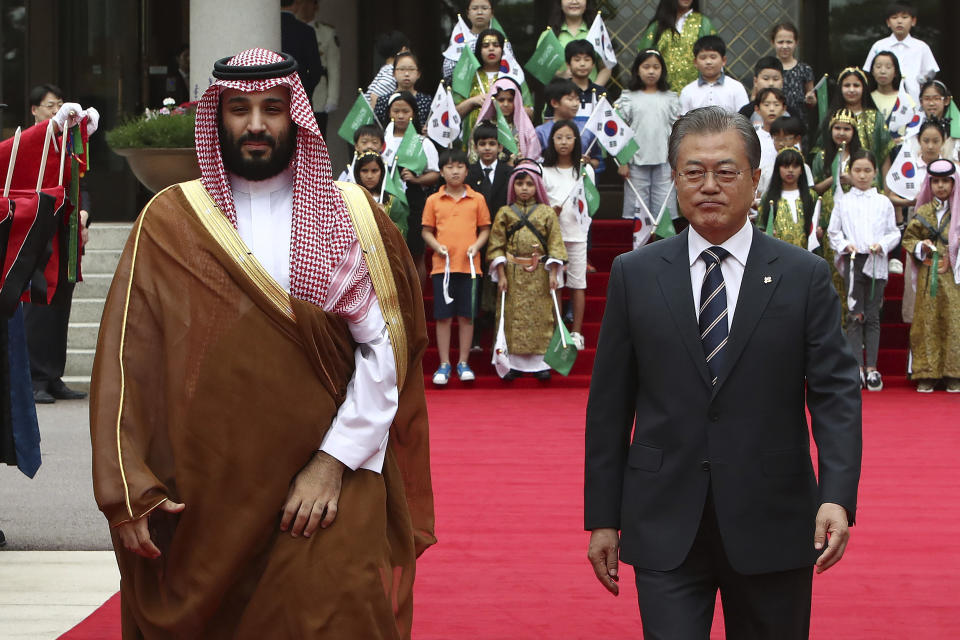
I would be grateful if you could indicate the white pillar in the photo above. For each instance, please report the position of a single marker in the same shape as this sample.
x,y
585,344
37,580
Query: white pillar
x,y
220,28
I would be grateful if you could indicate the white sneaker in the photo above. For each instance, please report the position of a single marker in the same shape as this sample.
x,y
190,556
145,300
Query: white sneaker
x,y
577,340
895,266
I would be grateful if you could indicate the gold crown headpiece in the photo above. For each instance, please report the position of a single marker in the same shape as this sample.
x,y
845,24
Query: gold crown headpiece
x,y
790,148
860,73
844,115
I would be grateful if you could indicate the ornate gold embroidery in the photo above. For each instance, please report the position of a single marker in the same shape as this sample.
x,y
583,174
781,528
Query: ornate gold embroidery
x,y
378,264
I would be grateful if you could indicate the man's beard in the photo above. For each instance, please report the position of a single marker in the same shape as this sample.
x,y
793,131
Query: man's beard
x,y
257,166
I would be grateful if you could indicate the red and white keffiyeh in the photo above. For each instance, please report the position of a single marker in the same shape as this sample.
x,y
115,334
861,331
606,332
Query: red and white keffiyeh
x,y
322,236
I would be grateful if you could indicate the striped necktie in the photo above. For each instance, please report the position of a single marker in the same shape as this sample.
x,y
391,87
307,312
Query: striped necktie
x,y
713,311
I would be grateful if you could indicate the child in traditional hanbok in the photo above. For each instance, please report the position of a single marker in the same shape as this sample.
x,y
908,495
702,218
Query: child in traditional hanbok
x,y
935,332
526,254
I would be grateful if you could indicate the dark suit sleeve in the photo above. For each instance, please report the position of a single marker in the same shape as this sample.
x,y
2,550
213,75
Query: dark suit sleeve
x,y
833,394
610,410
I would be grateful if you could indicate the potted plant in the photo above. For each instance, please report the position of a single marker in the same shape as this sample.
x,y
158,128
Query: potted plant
x,y
159,145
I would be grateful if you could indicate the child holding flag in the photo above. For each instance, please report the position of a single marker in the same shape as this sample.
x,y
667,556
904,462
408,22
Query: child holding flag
x,y
368,137
479,17
787,207
568,20
524,137
411,163
649,107
526,254
863,231
456,225
937,104
370,172
930,245
871,127
562,178
888,91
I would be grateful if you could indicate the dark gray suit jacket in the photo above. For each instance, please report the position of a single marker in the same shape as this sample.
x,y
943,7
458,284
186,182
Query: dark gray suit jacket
x,y
745,438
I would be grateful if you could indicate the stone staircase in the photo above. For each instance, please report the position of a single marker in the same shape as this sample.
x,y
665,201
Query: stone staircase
x,y
101,255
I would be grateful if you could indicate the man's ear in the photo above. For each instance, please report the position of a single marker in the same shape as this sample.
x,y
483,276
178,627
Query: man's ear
x,y
723,60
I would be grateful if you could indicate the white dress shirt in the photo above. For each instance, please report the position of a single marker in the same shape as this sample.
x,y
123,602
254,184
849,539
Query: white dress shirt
x,y
493,171
862,219
915,58
358,435
726,92
738,245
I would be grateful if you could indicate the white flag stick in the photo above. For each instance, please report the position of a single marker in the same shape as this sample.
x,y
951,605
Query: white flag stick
x,y
13,161
63,152
43,158
663,207
822,80
635,192
556,307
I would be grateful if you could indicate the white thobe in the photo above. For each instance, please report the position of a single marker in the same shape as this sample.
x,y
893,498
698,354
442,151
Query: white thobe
x,y
359,432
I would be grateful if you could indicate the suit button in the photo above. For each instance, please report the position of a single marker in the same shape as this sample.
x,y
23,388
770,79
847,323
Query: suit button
x,y
714,416
705,465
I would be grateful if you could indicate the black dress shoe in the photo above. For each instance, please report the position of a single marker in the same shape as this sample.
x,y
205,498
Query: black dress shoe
x,y
60,391
512,375
42,396
542,375
3,539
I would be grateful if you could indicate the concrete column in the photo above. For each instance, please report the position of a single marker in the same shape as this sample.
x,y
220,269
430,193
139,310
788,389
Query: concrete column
x,y
220,28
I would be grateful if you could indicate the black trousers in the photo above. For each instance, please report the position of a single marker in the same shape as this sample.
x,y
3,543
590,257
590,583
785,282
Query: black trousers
x,y
678,604
46,326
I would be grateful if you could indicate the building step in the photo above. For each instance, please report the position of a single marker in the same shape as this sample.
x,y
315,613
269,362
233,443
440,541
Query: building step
x,y
93,286
108,235
82,335
79,362
86,309
100,261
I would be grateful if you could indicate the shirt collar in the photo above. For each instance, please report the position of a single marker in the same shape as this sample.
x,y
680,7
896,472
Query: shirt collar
x,y
738,245
906,42
583,28
492,165
701,81
466,193
279,182
859,193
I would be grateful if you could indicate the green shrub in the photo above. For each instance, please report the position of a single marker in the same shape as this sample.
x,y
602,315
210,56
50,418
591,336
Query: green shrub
x,y
161,131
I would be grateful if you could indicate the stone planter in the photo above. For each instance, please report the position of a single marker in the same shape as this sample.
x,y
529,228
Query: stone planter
x,y
157,169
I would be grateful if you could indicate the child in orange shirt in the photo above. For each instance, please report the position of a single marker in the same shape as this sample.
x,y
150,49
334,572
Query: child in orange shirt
x,y
456,224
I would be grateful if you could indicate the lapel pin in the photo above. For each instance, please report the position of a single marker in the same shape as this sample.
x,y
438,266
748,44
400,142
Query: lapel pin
x,y
767,279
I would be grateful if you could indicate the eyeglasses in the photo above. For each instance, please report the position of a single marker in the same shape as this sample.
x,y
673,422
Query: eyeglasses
x,y
932,98
52,105
698,176
405,69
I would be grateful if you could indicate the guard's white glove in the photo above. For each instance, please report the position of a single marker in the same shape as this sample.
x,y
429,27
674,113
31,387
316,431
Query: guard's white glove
x,y
330,107
70,115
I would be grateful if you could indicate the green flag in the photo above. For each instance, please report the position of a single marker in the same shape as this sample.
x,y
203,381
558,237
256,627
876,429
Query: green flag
x,y
495,24
547,58
665,226
823,99
954,114
464,72
394,186
770,216
360,114
590,193
410,152
504,132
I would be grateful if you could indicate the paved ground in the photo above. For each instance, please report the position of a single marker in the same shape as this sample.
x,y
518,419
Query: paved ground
x,y
55,510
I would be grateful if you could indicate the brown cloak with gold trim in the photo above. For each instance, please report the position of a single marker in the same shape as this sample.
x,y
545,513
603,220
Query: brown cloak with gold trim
x,y
213,387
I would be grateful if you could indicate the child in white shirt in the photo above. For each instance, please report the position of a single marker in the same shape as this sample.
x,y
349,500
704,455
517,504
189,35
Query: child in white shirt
x,y
915,57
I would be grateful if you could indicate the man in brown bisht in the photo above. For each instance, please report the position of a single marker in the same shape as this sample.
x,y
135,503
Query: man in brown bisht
x,y
257,410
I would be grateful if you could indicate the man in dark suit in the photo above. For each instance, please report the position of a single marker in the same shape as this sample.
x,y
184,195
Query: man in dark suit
x,y
713,344
299,40
489,176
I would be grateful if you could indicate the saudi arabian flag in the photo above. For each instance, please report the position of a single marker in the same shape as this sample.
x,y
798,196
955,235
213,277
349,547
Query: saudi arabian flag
x,y
547,58
590,193
504,132
464,72
495,24
823,99
410,153
360,114
395,187
612,132
954,114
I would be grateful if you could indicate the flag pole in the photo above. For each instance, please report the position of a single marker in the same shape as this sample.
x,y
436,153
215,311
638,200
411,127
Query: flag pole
x,y
820,82
13,161
634,189
43,158
372,112
63,151
663,207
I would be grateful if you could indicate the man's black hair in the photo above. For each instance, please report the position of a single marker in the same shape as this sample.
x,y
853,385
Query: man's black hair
x,y
389,44
710,43
900,7
39,92
453,156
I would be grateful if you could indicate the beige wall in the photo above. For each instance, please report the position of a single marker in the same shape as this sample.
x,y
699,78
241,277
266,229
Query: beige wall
x,y
342,15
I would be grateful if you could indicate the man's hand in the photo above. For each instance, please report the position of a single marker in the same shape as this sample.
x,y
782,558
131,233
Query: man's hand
x,y
624,171
832,520
603,554
135,535
313,496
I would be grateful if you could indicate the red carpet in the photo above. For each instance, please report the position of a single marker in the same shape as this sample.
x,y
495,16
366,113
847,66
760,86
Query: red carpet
x,y
511,562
